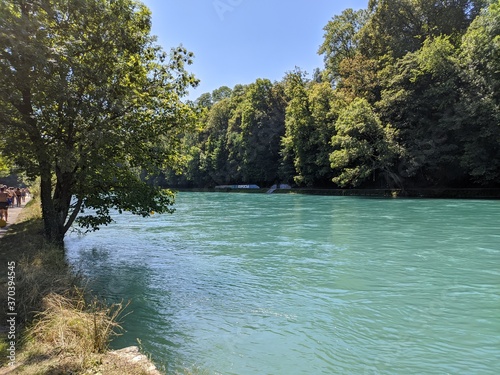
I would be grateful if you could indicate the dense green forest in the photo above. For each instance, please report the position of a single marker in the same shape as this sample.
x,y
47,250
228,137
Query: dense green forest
x,y
409,96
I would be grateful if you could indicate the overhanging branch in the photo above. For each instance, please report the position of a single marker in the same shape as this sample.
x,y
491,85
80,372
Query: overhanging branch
x,y
74,214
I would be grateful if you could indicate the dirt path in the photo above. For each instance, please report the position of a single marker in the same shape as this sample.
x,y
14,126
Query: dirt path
x,y
13,214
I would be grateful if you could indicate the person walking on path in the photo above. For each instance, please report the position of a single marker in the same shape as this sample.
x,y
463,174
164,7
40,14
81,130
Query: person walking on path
x,y
18,197
12,216
4,204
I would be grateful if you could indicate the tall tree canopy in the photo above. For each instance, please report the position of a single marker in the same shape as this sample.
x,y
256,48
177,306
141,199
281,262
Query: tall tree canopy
x,y
408,98
260,116
420,95
480,105
397,27
341,39
298,147
363,147
89,104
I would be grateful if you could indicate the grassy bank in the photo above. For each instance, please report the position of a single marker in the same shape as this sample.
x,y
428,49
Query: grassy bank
x,y
56,327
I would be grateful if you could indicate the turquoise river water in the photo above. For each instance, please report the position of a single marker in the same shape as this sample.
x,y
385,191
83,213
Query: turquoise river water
x,y
257,284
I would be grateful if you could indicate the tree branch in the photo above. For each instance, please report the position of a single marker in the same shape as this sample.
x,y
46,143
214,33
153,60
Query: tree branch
x,y
74,214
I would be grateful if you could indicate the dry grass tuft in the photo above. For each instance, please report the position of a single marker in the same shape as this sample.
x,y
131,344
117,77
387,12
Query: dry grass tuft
x,y
72,324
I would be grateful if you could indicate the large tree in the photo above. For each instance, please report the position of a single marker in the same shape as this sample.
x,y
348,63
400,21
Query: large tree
x,y
89,103
419,98
214,151
363,148
397,27
261,119
480,104
297,147
341,40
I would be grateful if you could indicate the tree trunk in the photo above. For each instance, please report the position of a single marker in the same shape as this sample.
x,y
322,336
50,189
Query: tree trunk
x,y
52,229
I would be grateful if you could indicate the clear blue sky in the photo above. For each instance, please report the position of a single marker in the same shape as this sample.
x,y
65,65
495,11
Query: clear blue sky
x,y
238,41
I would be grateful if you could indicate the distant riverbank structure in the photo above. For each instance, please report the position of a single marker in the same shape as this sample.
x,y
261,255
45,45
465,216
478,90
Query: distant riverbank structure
x,y
237,187
254,187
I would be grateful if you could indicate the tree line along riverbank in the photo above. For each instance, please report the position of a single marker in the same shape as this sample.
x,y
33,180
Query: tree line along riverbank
x,y
408,98
449,193
50,323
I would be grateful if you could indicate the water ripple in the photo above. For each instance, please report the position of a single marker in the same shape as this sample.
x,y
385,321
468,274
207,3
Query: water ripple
x,y
285,284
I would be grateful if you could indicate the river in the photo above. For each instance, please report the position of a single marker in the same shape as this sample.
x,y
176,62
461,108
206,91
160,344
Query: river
x,y
254,284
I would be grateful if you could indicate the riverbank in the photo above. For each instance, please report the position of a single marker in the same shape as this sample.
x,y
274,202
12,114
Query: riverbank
x,y
53,325
437,193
